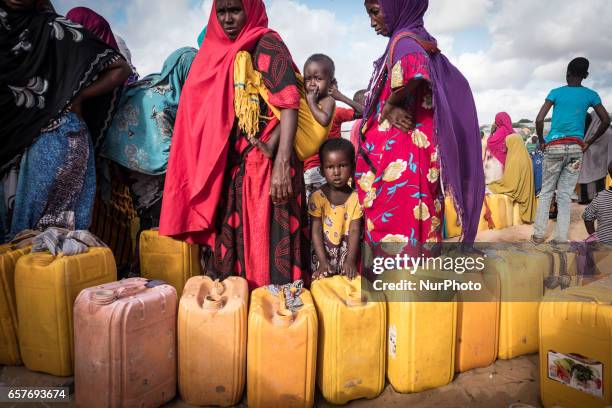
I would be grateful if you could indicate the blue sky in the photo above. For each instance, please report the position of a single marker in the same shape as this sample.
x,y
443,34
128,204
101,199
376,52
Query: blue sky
x,y
511,51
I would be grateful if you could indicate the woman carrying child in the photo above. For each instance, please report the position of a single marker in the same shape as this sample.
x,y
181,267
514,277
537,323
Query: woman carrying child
x,y
220,189
420,124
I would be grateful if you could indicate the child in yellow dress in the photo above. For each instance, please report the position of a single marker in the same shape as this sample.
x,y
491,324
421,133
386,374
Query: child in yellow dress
x,y
336,213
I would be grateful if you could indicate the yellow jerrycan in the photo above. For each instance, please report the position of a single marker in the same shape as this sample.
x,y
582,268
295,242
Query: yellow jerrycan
x,y
478,322
576,347
169,260
282,351
212,334
421,334
46,287
352,339
521,272
9,347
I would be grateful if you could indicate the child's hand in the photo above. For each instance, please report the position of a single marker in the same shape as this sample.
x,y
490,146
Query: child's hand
x,y
313,96
323,271
349,269
333,90
397,117
586,147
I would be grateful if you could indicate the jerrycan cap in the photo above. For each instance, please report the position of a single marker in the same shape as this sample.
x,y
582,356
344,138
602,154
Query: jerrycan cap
x,y
213,302
283,317
104,297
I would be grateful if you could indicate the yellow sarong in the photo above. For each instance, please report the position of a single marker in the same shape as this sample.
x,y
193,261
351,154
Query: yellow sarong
x,y
249,86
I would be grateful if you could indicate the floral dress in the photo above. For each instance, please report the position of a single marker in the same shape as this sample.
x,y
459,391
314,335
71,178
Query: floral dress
x,y
336,221
398,173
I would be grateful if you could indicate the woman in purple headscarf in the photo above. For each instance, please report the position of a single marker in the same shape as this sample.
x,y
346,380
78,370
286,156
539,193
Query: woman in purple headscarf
x,y
420,131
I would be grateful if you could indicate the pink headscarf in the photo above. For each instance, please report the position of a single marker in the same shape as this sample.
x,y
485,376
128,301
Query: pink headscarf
x,y
496,143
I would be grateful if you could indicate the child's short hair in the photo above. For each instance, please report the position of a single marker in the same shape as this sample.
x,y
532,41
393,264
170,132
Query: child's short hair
x,y
579,67
610,169
325,60
359,96
337,145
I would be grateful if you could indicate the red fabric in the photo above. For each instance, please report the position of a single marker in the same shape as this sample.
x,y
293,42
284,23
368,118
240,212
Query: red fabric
x,y
355,135
496,143
566,140
342,115
256,219
204,120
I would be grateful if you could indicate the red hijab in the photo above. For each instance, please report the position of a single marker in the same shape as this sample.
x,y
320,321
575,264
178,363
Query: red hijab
x,y
497,141
204,121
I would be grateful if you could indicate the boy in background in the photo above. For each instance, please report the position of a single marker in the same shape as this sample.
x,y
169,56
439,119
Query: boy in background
x,y
564,145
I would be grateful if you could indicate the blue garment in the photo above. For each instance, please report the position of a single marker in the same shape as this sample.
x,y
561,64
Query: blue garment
x,y
537,158
57,179
201,37
141,131
571,104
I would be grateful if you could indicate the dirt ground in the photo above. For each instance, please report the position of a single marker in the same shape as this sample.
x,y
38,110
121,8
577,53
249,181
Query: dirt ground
x,y
500,385
506,383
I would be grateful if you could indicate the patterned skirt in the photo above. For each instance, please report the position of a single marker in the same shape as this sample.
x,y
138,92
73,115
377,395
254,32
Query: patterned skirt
x,y
57,179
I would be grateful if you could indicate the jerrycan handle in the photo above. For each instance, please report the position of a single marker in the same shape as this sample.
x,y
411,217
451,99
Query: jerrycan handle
x,y
283,316
107,296
218,288
354,298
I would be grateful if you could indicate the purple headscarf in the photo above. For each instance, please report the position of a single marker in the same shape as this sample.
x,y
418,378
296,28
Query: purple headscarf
x,y
456,120
94,23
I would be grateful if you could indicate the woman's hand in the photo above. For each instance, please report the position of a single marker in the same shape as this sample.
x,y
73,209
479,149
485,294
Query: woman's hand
x,y
397,117
280,187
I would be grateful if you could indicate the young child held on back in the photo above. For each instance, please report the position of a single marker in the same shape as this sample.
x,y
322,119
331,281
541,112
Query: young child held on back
x,y
318,81
335,213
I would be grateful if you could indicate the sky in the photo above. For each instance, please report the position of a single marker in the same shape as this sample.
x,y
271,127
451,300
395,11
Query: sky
x,y
513,52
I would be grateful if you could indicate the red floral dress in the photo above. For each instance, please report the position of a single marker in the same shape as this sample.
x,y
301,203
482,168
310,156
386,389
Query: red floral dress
x,y
398,173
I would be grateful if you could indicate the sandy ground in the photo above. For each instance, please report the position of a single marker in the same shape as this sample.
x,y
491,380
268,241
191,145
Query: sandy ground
x,y
501,385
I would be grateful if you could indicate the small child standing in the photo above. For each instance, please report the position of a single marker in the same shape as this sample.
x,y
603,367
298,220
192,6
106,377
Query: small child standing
x,y
600,210
335,213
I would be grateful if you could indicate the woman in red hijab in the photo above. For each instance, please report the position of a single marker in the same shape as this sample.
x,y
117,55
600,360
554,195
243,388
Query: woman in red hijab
x,y
495,158
220,191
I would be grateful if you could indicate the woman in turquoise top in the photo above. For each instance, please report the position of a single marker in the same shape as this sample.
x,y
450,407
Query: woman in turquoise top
x,y
140,134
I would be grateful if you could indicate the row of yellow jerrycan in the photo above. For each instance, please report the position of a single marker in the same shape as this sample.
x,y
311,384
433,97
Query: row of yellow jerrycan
x,y
340,344
39,291
504,212
457,336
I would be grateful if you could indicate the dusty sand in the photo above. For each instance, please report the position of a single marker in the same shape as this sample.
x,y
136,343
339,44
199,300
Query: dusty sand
x,y
497,386
504,383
